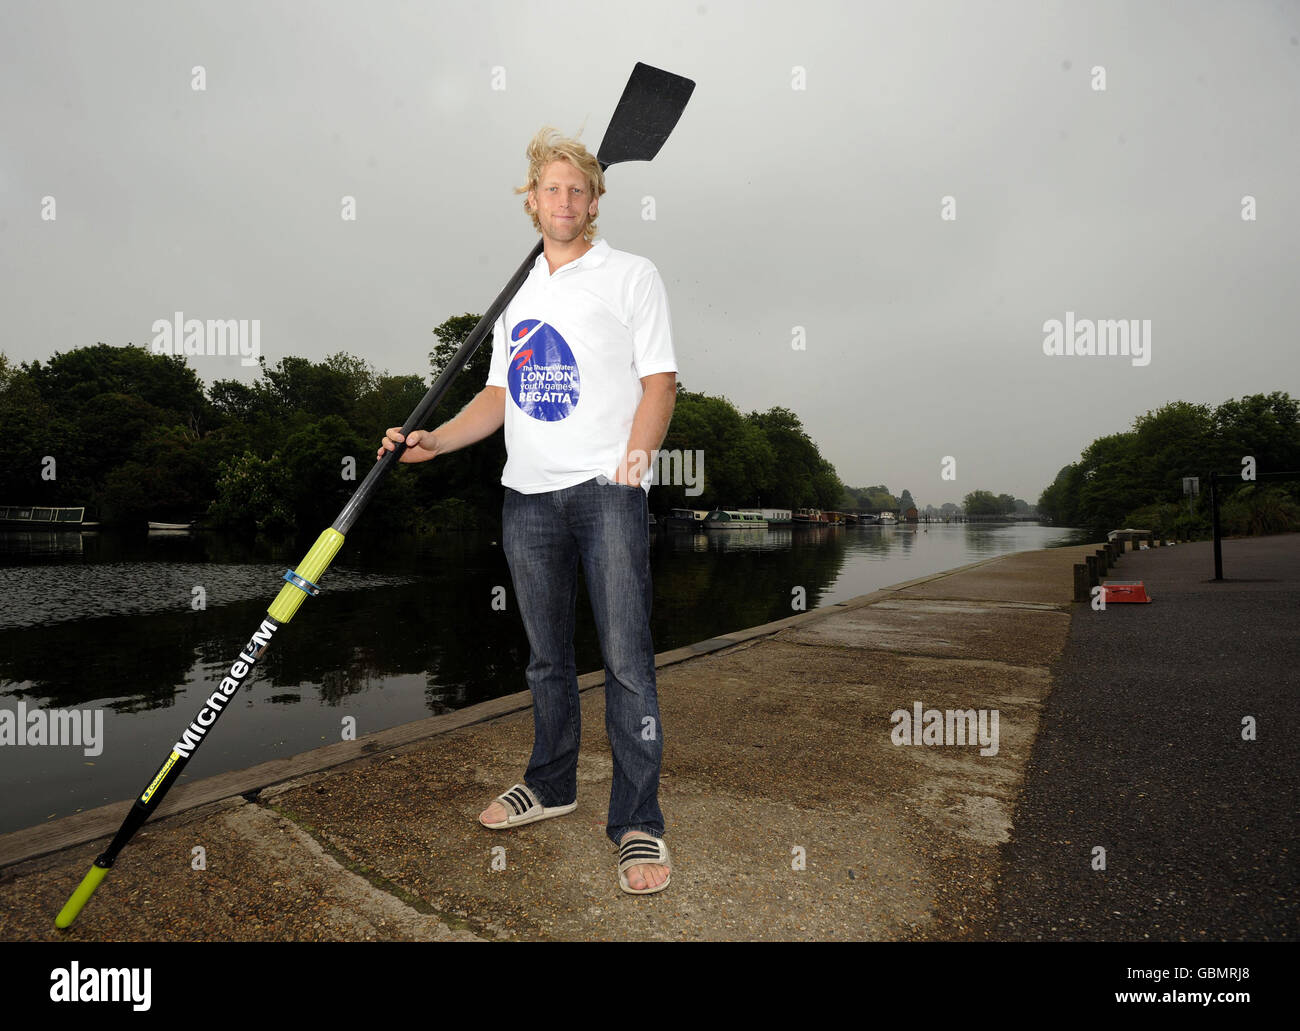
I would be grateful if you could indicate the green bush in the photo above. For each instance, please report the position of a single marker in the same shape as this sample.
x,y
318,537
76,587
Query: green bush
x,y
1258,509
449,514
1169,519
253,492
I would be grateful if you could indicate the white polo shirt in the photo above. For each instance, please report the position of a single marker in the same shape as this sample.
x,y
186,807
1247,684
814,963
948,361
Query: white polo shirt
x,y
570,350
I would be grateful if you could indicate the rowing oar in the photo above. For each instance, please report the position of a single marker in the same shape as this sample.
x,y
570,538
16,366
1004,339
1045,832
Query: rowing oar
x,y
649,108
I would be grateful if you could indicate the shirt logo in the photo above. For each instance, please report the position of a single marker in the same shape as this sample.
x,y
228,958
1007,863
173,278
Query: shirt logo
x,y
543,374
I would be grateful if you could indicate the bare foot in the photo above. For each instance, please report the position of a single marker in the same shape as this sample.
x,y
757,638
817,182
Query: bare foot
x,y
644,875
495,813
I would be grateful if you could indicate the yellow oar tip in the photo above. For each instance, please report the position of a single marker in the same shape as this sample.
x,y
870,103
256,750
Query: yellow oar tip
x,y
80,897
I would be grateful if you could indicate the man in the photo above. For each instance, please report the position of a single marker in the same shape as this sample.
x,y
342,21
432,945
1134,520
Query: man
x,y
583,377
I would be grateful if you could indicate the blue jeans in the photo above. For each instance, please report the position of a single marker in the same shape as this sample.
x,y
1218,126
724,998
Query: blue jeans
x,y
606,527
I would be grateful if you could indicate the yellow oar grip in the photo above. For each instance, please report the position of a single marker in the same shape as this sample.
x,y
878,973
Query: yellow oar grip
x,y
312,568
80,897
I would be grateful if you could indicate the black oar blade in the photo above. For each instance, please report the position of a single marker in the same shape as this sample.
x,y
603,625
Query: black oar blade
x,y
650,106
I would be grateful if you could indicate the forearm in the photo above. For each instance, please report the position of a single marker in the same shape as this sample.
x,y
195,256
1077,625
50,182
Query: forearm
x,y
481,418
649,425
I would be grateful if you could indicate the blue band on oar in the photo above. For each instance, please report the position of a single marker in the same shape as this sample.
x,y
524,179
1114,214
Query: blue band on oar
x,y
306,586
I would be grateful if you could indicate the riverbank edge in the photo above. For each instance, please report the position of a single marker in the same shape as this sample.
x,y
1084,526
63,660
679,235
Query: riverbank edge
x,y
44,840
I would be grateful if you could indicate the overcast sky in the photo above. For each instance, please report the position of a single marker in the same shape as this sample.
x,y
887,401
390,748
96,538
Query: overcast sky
x,y
775,206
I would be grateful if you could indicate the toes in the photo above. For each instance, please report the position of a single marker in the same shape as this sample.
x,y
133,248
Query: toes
x,y
647,876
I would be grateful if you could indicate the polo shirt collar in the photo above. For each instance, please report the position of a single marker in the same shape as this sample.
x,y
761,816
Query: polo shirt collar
x,y
594,258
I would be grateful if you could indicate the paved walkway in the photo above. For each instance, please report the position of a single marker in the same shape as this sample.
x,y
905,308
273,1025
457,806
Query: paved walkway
x,y
1142,753
792,813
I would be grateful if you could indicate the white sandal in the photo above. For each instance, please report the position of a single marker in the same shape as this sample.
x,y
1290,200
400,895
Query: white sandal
x,y
522,807
646,851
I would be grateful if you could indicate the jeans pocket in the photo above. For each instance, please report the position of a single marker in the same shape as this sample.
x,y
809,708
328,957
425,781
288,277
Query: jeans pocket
x,y
604,481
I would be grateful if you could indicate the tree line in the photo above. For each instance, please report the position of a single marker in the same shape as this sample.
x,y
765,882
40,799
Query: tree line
x,y
133,435
1135,478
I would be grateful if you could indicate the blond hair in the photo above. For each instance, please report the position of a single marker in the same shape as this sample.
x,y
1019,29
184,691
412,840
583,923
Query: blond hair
x,y
547,146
